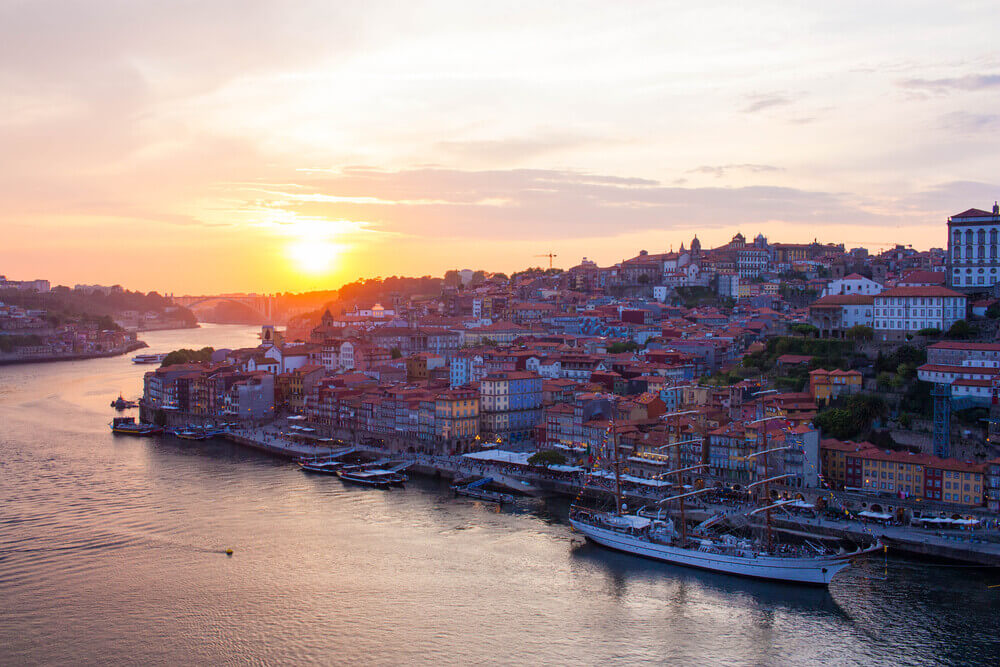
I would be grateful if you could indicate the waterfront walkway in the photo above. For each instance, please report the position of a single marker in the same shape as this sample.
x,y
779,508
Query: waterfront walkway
x,y
980,546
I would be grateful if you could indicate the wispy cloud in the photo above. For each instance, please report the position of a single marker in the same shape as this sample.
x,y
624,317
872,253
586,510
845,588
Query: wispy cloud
x,y
721,170
537,203
762,102
970,82
970,122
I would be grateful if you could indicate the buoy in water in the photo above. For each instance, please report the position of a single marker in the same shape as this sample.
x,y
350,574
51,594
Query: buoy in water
x,y
229,552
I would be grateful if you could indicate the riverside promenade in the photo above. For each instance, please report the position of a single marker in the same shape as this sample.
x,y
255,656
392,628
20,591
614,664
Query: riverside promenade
x,y
978,547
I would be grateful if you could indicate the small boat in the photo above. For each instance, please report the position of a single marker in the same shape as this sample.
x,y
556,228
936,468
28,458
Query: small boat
x,y
192,434
321,467
374,478
149,358
478,491
128,426
121,403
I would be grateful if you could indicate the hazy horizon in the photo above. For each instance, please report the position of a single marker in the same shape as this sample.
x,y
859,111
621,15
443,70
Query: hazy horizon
x,y
264,146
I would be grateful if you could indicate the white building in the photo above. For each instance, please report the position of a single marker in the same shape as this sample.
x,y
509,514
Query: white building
x,y
904,310
751,262
853,284
833,315
973,246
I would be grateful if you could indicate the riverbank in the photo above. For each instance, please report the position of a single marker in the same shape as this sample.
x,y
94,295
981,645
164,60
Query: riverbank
x,y
958,546
8,360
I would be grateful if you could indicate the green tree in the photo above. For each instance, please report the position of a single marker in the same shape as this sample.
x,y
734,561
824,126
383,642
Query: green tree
x,y
186,356
395,353
804,329
628,346
960,330
929,332
860,332
546,458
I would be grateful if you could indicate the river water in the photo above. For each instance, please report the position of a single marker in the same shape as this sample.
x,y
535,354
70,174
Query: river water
x,y
111,551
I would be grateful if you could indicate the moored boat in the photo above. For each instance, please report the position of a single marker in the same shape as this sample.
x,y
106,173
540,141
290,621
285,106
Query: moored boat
x,y
374,478
128,426
321,467
121,403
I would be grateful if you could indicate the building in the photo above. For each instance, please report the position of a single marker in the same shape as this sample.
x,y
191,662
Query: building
x,y
961,353
826,385
833,315
251,398
993,485
973,239
902,474
852,284
456,419
510,407
906,310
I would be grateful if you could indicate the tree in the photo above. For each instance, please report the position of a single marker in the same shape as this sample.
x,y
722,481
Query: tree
x,y
628,346
960,330
395,353
804,329
860,332
186,356
929,332
546,458
993,312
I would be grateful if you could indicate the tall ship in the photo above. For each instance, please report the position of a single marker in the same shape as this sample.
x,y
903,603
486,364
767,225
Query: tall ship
x,y
725,542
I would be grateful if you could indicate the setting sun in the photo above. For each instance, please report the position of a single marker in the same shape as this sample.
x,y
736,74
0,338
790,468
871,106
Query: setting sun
x,y
313,256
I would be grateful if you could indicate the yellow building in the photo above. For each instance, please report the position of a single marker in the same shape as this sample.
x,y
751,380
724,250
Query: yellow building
x,y
456,418
825,385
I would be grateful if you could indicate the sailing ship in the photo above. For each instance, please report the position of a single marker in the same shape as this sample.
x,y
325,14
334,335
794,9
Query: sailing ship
x,y
653,533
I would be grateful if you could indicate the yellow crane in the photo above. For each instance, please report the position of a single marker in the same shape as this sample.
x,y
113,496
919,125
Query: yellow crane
x,y
550,255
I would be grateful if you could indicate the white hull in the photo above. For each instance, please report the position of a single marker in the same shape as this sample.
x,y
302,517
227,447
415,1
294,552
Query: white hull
x,y
817,570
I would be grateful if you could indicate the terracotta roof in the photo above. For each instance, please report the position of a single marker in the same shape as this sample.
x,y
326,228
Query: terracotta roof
x,y
961,345
844,300
972,213
931,277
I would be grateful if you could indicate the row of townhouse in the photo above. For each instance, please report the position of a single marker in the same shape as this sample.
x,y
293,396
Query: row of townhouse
x,y
903,474
210,391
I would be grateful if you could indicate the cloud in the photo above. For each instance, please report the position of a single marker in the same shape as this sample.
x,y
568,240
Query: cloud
x,y
970,82
536,203
514,149
969,122
762,102
720,170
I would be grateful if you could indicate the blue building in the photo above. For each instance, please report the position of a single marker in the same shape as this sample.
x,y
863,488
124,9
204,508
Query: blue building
x,y
510,407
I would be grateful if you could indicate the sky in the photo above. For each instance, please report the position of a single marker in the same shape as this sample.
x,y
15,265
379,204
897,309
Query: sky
x,y
266,145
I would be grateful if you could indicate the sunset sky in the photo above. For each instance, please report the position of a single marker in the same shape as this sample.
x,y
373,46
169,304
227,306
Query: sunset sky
x,y
203,147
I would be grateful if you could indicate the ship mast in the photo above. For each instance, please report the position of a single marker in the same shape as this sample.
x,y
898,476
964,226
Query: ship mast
x,y
618,469
767,480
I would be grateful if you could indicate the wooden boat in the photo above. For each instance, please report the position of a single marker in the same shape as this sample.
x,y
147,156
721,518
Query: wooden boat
x,y
128,426
321,467
376,478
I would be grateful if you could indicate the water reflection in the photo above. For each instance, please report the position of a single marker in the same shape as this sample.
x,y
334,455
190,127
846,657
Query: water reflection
x,y
620,568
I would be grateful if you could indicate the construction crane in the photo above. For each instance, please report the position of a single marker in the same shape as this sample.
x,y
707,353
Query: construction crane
x,y
551,256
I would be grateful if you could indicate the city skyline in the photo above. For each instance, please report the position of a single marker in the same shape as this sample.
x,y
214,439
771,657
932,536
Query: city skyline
x,y
235,148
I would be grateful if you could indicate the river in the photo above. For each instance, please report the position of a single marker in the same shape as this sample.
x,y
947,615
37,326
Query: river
x,y
112,552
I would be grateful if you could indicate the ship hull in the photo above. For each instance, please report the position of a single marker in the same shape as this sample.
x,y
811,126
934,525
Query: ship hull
x,y
817,571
